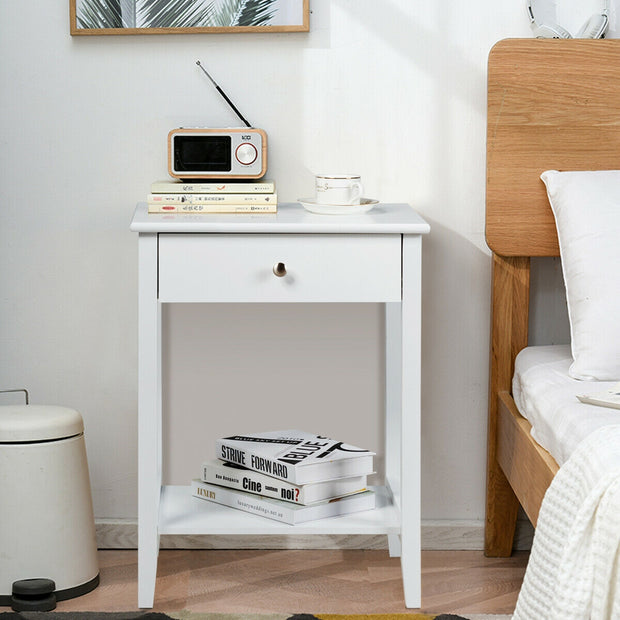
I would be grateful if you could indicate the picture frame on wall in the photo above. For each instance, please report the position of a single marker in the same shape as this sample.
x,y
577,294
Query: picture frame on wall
x,y
113,17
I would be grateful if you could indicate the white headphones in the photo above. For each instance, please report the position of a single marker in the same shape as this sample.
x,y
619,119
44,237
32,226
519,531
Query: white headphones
x,y
594,28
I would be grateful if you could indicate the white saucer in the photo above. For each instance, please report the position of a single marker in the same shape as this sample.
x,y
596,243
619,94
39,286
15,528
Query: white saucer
x,y
310,204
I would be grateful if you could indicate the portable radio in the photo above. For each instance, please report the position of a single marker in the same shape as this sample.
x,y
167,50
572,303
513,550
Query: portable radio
x,y
205,153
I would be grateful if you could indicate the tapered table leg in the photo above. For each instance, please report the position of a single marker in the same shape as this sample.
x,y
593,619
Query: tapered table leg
x,y
149,419
410,426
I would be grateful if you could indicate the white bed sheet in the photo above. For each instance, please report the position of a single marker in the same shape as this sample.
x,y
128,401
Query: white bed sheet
x,y
547,397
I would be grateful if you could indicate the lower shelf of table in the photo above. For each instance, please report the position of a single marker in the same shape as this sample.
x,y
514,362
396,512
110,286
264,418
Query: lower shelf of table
x,y
181,513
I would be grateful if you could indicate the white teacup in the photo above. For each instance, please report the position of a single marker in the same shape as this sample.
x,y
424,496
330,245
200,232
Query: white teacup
x,y
338,189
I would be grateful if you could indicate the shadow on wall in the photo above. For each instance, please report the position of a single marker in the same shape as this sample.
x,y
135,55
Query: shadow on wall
x,y
399,30
455,364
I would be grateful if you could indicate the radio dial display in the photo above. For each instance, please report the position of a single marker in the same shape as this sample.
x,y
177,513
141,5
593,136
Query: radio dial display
x,y
194,153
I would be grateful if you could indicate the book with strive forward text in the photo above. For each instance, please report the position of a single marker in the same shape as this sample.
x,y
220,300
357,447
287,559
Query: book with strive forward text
x,y
165,207
243,479
212,187
608,398
296,456
210,199
285,512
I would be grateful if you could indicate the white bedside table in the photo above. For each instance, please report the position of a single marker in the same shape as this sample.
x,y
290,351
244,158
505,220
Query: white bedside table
x,y
375,257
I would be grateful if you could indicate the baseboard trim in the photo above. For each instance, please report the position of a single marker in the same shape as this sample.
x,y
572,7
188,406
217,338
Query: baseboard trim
x,y
437,535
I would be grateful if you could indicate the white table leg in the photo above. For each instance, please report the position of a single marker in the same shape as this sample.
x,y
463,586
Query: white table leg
x,y
411,428
393,407
149,419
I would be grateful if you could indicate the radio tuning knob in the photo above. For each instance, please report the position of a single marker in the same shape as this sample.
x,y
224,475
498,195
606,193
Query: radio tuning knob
x,y
246,153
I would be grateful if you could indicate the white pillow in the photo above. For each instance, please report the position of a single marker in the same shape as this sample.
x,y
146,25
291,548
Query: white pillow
x,y
586,206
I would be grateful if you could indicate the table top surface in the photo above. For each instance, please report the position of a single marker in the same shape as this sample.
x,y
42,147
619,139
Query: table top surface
x,y
384,218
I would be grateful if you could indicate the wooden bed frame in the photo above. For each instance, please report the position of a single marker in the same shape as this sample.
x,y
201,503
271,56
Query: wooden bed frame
x,y
552,104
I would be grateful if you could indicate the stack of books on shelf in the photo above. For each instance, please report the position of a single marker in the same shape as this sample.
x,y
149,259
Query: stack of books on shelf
x,y
291,476
213,197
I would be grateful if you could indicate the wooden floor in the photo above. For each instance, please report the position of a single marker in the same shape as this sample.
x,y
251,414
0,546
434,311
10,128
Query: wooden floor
x,y
329,581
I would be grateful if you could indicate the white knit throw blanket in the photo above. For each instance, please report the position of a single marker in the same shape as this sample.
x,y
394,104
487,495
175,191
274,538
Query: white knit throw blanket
x,y
574,568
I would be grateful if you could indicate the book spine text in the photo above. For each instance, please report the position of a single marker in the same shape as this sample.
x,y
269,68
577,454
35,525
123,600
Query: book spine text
x,y
261,464
241,501
253,482
197,199
212,208
265,187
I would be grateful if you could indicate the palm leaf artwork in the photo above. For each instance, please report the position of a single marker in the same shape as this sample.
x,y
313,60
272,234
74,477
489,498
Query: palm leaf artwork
x,y
174,13
256,13
100,14
128,10
245,13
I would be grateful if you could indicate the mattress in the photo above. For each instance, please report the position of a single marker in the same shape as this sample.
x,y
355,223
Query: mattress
x,y
547,397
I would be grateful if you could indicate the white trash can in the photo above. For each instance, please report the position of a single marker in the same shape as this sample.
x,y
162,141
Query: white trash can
x,y
47,528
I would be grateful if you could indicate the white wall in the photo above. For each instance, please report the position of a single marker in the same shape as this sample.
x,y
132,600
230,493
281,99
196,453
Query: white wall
x,y
394,90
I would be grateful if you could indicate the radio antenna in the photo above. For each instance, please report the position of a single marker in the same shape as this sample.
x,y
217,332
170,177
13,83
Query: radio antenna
x,y
219,90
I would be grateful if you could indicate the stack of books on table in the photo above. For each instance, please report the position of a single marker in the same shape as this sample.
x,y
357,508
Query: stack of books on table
x,y
213,197
290,476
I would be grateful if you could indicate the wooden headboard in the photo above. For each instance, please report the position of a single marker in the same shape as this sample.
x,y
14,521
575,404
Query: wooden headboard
x,y
552,104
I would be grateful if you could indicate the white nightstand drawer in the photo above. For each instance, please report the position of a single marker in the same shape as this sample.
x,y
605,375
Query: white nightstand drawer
x,y
240,268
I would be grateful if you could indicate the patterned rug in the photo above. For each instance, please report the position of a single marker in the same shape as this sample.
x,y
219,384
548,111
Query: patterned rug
x,y
186,615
